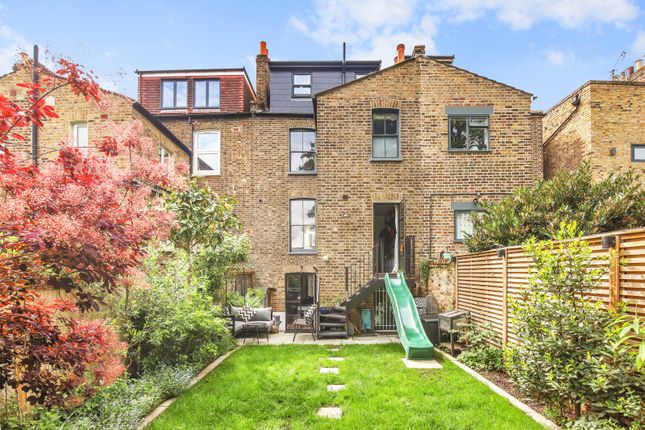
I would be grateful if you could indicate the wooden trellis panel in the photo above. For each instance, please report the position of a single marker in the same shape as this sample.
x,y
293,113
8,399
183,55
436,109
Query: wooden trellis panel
x,y
485,280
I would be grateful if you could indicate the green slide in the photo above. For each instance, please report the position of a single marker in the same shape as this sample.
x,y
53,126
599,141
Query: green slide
x,y
408,324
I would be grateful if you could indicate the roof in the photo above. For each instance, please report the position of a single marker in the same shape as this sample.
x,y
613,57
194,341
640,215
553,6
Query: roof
x,y
162,128
225,115
204,72
446,60
590,82
370,65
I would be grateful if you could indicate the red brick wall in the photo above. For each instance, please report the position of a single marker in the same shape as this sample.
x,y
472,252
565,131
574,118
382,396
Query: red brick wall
x,y
235,96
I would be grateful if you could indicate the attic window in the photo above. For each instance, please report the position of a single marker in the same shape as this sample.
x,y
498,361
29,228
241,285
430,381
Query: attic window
x,y
301,85
206,93
174,94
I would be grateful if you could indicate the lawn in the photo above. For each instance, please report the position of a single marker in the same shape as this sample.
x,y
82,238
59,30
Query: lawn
x,y
280,387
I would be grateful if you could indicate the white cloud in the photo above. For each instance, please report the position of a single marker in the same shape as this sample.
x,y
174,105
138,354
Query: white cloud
x,y
555,57
638,47
522,14
372,28
11,44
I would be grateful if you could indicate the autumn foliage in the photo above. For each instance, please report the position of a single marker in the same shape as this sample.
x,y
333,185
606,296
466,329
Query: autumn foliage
x,y
79,222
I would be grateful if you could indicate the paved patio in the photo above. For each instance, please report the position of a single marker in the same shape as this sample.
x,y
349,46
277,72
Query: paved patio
x,y
305,338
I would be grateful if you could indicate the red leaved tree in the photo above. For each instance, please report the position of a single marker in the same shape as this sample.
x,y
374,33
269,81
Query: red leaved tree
x,y
80,222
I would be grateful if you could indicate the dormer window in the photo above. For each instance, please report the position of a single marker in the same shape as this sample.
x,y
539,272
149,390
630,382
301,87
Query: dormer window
x,y
206,94
301,85
174,94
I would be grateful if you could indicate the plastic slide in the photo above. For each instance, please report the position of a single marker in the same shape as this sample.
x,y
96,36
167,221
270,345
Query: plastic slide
x,y
413,337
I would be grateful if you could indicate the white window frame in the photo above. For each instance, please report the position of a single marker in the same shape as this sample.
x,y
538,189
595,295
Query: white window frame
x,y
216,170
73,135
164,155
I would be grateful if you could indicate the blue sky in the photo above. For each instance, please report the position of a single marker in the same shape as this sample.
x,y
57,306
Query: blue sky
x,y
546,47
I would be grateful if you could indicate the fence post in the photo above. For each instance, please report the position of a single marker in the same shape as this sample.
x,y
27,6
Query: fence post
x,y
456,282
505,298
614,275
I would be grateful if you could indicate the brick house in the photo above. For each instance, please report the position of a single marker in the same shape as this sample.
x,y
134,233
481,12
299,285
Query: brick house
x,y
332,158
601,122
81,122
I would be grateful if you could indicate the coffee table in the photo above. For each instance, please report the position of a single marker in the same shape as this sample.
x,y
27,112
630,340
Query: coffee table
x,y
256,327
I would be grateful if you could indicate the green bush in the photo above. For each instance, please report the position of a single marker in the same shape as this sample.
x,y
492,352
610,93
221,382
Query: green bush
x,y
567,355
481,353
254,298
614,203
172,322
123,404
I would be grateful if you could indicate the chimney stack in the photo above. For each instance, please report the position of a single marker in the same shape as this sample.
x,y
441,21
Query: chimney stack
x,y
262,79
419,51
400,53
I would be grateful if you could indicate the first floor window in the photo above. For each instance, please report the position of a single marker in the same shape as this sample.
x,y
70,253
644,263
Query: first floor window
x,y
302,220
79,136
302,151
463,224
469,133
385,134
174,94
206,153
164,155
638,153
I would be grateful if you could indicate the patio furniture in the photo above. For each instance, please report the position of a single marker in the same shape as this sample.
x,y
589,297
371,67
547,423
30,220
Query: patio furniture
x,y
305,322
260,322
255,328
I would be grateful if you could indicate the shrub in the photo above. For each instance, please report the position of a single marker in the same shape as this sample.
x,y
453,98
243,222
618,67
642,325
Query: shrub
x,y
171,322
481,354
254,298
614,203
567,356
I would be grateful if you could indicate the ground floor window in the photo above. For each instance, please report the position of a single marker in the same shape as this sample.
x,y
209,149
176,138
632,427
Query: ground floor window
x,y
300,292
464,212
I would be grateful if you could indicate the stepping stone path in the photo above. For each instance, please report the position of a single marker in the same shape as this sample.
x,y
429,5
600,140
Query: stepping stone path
x,y
333,412
330,412
335,387
422,364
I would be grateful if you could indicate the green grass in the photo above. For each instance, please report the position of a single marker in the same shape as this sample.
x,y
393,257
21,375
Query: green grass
x,y
280,387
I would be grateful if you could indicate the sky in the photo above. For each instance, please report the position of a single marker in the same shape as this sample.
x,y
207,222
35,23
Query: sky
x,y
546,47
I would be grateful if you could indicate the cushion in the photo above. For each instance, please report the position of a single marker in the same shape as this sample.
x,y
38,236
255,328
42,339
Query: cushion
x,y
246,313
309,315
235,310
262,314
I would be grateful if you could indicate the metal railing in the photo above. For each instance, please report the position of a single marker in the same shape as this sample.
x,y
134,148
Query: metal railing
x,y
375,262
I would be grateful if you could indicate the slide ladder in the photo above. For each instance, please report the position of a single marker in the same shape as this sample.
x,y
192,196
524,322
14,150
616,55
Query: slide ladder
x,y
408,324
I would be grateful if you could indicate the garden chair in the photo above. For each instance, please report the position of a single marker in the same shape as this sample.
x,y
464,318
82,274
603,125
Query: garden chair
x,y
305,322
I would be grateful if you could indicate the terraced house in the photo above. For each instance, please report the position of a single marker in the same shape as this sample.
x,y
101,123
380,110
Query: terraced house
x,y
344,171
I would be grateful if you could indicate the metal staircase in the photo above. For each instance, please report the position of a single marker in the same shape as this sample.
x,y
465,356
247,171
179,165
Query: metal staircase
x,y
362,278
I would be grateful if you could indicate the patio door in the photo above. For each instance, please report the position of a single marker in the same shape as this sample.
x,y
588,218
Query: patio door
x,y
299,295
388,222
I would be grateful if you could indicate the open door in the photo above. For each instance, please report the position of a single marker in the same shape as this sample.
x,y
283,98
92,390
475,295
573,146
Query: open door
x,y
401,235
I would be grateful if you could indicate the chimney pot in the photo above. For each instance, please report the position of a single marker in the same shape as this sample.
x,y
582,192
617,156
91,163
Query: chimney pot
x,y
400,52
630,70
263,48
622,75
638,65
419,51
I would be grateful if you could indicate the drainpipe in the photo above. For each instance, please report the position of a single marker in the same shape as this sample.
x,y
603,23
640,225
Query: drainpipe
x,y
344,61
34,127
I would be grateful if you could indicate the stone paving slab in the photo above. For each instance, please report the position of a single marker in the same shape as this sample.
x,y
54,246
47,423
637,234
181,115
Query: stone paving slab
x,y
333,370
330,412
335,387
422,364
337,358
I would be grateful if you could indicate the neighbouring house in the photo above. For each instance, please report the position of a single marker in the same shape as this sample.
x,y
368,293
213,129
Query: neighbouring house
x,y
602,123
339,164
80,122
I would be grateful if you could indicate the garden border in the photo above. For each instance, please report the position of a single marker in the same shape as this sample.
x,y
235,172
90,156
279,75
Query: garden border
x,y
147,420
536,416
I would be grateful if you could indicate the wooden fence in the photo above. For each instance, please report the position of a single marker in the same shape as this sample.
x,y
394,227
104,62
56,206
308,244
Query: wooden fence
x,y
485,280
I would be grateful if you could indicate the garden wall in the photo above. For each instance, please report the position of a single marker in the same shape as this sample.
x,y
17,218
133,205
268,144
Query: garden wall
x,y
485,280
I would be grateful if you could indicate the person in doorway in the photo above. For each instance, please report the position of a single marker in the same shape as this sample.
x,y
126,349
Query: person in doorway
x,y
388,239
